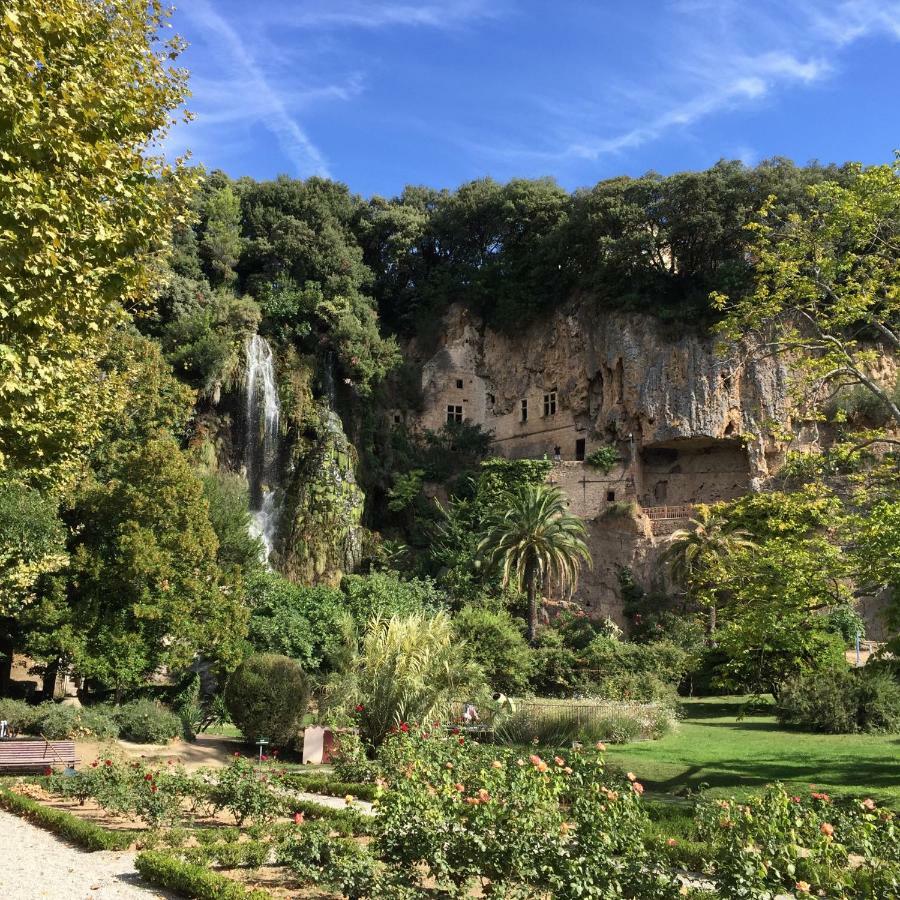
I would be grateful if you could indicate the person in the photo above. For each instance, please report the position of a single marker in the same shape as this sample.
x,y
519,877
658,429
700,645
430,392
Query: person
x,y
470,714
557,453
4,729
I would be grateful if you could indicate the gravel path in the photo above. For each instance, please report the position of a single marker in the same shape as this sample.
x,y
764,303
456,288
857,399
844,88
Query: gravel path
x,y
36,864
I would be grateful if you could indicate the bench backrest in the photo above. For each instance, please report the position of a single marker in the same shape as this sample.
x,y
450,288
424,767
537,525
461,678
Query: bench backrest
x,y
36,752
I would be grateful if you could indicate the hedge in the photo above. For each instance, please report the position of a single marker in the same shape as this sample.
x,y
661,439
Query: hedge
x,y
85,834
195,882
318,783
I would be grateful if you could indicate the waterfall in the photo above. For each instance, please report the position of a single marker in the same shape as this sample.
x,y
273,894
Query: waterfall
x,y
263,414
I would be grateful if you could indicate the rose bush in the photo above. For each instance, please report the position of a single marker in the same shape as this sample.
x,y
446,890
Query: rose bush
x,y
463,814
777,842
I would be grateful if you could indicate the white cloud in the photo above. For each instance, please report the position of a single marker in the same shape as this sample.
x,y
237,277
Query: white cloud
x,y
267,103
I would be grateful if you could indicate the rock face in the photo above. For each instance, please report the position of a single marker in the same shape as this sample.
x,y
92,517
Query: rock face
x,y
690,426
321,534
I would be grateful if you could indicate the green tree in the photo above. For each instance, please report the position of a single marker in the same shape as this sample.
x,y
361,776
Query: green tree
x,y
697,556
535,542
826,281
145,590
495,641
32,543
227,495
86,92
220,246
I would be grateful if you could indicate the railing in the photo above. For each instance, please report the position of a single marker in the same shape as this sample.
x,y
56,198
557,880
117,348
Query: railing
x,y
660,513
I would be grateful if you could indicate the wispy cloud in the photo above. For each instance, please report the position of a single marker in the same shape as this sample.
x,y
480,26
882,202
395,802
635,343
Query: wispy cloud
x,y
256,83
718,56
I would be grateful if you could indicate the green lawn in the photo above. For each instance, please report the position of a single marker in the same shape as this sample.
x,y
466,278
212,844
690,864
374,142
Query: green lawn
x,y
713,747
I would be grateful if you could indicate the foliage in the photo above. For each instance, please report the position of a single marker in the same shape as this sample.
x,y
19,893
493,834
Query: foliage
x,y
146,722
385,594
457,813
168,872
86,93
403,670
266,697
697,556
145,590
229,514
535,543
77,830
405,490
32,543
294,620
549,723
495,642
57,722
338,863
247,793
350,760
842,701
603,458
776,842
824,279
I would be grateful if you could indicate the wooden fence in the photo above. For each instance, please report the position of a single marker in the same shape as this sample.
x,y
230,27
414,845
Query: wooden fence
x,y
662,513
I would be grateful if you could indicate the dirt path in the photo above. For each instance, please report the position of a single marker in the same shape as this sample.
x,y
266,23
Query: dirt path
x,y
36,864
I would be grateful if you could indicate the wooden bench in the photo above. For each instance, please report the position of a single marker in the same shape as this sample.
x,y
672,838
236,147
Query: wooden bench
x,y
24,755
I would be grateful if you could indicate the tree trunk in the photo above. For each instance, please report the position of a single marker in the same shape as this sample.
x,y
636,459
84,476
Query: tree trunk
x,y
711,625
51,673
532,589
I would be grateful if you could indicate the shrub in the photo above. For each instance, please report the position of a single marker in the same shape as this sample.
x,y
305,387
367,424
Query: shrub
x,y
774,842
84,834
603,458
460,813
842,701
247,793
20,716
190,880
497,644
147,722
57,722
337,863
266,697
350,760
556,723
405,670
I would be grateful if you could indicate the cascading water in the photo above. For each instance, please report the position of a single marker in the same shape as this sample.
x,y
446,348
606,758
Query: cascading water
x,y
263,413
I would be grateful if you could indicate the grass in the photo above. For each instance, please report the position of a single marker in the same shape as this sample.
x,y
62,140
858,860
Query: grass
x,y
714,747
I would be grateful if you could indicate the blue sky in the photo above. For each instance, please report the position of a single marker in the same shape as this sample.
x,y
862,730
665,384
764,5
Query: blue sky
x,y
380,94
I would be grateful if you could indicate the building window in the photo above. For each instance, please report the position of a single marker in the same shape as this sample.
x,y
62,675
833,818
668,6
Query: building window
x,y
459,383
550,404
524,410
397,418
454,414
579,449
610,496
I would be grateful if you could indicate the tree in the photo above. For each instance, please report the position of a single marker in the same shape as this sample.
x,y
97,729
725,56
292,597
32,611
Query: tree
x,y
495,641
229,514
32,543
697,557
827,286
86,92
220,246
536,543
145,590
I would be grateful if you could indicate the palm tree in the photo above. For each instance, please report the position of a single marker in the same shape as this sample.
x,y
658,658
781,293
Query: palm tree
x,y
697,554
536,543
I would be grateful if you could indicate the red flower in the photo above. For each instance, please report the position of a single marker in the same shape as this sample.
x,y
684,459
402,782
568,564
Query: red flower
x,y
94,764
298,818
48,770
461,741
148,777
153,788
454,731
263,757
108,762
404,728
359,707
237,755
